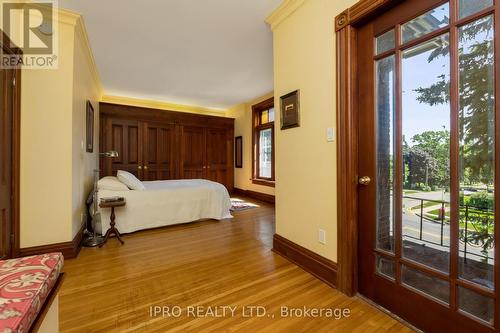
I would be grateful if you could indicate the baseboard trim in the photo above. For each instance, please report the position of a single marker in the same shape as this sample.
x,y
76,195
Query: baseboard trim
x,y
321,267
269,198
69,249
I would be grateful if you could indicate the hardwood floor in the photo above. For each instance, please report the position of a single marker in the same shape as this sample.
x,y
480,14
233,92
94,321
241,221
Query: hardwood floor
x,y
209,264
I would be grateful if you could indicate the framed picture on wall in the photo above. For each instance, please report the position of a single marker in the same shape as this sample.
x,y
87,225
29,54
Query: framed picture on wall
x,y
290,110
90,128
238,152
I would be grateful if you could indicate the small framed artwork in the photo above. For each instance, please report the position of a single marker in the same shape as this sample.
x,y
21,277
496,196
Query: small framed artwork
x,y
290,110
90,128
238,152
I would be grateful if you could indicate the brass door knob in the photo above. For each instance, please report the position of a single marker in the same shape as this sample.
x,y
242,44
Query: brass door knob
x,y
145,167
365,180
139,167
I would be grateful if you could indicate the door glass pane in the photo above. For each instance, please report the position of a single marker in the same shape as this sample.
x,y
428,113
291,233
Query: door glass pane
x,y
477,145
426,151
385,152
265,153
384,266
430,285
432,20
385,42
475,304
469,7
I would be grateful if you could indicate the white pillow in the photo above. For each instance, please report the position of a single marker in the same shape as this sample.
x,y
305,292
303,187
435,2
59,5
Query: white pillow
x,y
112,184
130,180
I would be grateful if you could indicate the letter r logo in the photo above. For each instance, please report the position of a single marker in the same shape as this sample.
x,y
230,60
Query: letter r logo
x,y
30,26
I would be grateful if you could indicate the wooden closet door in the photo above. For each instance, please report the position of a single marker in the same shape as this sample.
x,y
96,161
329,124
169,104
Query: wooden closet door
x,y
158,152
217,155
125,136
193,153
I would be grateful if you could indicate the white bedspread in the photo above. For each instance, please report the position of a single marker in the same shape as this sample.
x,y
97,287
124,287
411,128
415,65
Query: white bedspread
x,y
168,202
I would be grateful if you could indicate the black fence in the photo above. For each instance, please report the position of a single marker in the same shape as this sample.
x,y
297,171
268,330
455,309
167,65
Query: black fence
x,y
476,227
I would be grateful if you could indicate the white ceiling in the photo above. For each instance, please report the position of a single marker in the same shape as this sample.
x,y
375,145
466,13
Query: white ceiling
x,y
210,53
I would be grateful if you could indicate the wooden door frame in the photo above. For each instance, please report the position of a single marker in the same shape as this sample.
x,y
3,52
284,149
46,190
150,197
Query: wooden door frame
x,y
6,46
346,27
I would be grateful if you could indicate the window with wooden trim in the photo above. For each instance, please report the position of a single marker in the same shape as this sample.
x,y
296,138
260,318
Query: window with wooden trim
x,y
263,143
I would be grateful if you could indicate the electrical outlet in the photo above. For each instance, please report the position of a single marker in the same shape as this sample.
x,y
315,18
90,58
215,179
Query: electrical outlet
x,y
322,236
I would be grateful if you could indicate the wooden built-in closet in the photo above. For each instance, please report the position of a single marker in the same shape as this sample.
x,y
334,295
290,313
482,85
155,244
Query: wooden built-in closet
x,y
160,145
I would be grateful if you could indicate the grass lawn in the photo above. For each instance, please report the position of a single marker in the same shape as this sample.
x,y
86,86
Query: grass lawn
x,y
470,226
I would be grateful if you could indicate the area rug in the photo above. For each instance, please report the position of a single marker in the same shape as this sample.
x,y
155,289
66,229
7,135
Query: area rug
x,y
239,205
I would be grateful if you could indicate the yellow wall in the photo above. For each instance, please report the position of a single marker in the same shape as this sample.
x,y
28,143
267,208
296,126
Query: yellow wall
x,y
46,102
243,126
54,172
304,58
86,87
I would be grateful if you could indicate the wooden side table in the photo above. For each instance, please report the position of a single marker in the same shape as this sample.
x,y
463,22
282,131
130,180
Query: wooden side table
x,y
112,230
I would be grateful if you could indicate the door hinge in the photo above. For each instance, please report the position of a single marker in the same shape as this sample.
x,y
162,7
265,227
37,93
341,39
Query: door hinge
x,y
14,81
12,238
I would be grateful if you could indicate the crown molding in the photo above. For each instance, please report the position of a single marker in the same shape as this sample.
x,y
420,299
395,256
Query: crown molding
x,y
77,22
153,104
287,8
66,16
81,35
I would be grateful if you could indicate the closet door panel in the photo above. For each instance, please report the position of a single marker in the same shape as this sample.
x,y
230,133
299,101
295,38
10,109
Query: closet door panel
x,y
192,154
126,139
217,155
158,152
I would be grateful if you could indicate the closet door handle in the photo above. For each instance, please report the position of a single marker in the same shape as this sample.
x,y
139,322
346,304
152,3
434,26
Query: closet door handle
x,y
139,167
145,167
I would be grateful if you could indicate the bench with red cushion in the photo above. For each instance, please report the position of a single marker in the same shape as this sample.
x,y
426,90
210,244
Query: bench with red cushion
x,y
25,284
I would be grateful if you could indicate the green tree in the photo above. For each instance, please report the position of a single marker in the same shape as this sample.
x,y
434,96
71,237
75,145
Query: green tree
x,y
436,144
476,100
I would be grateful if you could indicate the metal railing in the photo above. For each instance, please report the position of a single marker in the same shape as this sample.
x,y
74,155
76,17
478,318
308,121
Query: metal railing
x,y
475,233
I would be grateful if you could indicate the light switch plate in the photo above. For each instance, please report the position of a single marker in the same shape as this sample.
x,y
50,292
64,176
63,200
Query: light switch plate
x,y
330,134
322,236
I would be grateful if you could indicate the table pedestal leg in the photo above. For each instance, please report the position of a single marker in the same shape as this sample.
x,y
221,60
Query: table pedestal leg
x,y
112,230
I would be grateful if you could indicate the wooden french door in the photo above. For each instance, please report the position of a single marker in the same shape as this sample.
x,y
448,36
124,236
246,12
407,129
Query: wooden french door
x,y
428,141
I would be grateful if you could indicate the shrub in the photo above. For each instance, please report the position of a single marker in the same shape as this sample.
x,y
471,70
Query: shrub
x,y
464,199
481,200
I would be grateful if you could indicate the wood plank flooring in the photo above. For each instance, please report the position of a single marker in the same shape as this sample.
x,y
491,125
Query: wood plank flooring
x,y
201,266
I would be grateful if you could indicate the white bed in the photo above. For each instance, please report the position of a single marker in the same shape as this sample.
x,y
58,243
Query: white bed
x,y
167,202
